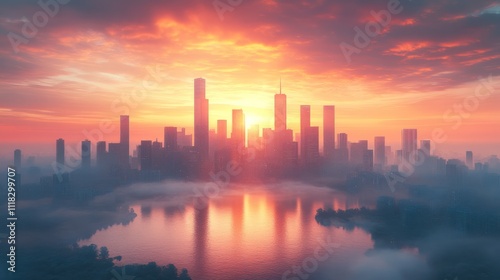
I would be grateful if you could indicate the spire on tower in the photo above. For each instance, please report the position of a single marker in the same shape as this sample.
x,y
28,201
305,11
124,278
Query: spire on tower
x,y
280,85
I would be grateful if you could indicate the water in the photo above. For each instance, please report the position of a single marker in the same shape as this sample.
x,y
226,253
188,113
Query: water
x,y
253,232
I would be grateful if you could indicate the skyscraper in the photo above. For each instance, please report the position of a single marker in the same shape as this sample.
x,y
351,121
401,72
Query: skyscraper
x,y
200,118
124,140
146,154
312,145
305,123
60,151
157,154
101,154
280,111
17,159
329,131
425,146
170,138
379,151
342,151
277,149
238,129
86,154
408,143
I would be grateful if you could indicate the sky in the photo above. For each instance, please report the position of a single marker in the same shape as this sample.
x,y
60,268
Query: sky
x,y
68,69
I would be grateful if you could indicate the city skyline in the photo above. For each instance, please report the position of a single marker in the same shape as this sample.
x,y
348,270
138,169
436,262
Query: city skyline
x,y
396,81
317,119
370,155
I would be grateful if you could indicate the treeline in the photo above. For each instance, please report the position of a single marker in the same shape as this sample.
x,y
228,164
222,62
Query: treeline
x,y
87,263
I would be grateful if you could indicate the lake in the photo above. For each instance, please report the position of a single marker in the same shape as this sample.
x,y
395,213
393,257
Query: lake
x,y
247,232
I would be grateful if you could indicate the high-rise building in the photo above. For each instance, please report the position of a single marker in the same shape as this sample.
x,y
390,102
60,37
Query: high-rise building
x,y
312,145
60,152
101,154
183,139
379,151
17,159
357,152
280,111
408,143
368,160
305,123
170,138
277,147
86,154
238,129
342,153
363,144
146,154
200,118
124,141
329,131
469,159
157,154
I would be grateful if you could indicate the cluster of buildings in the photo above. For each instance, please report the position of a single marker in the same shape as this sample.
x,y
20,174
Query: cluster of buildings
x,y
275,151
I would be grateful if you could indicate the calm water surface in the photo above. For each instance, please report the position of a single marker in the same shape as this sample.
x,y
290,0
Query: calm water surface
x,y
253,232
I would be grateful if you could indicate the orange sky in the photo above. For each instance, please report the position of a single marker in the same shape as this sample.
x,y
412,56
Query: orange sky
x,y
86,65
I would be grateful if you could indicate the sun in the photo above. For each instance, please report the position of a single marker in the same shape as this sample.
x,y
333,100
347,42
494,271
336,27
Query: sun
x,y
251,120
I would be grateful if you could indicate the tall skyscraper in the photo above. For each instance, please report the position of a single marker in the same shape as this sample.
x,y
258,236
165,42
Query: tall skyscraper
x,y
238,129
200,118
101,154
280,111
170,138
379,151
305,123
17,159
329,131
86,154
124,140
469,159
60,152
408,143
